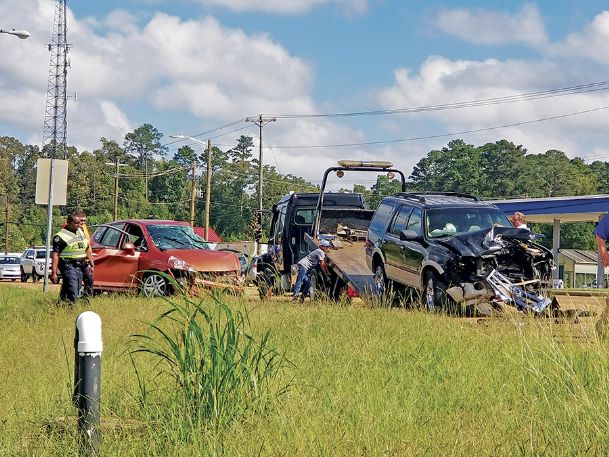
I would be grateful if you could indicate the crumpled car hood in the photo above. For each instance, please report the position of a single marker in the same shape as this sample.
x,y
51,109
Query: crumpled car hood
x,y
473,244
207,260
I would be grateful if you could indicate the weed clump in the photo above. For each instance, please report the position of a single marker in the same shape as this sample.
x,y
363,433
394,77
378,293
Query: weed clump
x,y
219,370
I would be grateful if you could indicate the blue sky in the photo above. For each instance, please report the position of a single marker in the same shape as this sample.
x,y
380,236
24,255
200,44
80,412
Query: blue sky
x,y
188,66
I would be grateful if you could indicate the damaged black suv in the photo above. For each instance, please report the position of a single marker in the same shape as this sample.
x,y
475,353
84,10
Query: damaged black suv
x,y
457,250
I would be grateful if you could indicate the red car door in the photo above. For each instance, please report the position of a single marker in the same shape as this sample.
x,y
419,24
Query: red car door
x,y
115,268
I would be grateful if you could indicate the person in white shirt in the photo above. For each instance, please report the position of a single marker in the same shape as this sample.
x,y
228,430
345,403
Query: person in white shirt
x,y
306,264
518,221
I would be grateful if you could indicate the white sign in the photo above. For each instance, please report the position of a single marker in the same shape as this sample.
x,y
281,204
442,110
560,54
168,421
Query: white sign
x,y
60,181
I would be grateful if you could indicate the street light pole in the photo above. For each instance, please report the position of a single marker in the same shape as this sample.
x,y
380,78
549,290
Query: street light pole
x,y
193,189
23,34
208,191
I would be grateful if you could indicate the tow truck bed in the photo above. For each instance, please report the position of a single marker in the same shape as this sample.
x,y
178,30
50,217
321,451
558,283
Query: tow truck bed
x,y
349,263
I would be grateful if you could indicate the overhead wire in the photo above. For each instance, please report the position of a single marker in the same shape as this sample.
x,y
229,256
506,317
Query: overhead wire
x,y
215,129
549,93
442,135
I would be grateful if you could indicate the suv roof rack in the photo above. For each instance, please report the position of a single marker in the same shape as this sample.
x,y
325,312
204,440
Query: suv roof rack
x,y
420,196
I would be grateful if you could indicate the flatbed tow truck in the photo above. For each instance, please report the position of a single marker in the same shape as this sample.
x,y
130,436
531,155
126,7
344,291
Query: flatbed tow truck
x,y
347,230
300,221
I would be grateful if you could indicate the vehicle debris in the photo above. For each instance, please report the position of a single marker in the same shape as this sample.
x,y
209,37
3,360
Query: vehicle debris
x,y
501,265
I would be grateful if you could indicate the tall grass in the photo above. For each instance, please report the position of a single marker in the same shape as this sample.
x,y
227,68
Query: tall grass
x,y
364,381
219,369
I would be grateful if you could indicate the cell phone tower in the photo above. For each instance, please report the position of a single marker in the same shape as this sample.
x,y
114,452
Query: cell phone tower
x,y
55,115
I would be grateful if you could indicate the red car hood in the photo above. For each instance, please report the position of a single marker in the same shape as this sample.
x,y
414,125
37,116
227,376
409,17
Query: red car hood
x,y
207,260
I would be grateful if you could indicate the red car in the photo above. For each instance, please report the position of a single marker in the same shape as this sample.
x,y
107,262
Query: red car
x,y
131,254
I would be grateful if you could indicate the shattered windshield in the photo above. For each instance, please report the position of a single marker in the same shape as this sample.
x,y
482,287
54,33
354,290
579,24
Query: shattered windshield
x,y
176,237
442,222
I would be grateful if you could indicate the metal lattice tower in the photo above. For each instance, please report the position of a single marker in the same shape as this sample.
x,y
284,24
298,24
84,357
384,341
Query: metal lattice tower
x,y
55,115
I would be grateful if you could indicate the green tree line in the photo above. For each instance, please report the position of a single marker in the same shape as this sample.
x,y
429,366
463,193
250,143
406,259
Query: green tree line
x,y
153,185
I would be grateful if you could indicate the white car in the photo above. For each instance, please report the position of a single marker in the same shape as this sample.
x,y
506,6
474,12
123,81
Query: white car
x,y
32,263
9,266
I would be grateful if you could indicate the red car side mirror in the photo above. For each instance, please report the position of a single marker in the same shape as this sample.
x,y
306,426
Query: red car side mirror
x,y
129,248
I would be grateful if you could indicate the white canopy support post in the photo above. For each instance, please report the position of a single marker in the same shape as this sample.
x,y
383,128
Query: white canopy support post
x,y
556,246
600,269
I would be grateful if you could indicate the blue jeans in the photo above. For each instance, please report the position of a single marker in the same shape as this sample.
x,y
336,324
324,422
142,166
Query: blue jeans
x,y
302,282
71,276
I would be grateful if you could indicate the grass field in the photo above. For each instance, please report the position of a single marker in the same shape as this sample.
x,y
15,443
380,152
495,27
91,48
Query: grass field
x,y
361,381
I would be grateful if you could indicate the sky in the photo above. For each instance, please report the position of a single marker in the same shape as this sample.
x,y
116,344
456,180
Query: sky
x,y
344,79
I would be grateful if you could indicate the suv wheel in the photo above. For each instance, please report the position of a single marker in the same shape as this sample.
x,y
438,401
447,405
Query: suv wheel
x,y
23,275
434,295
35,276
380,279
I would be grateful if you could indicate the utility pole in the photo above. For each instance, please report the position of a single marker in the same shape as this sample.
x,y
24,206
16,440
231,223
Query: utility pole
x,y
117,164
7,211
146,176
115,212
260,121
208,191
207,195
193,191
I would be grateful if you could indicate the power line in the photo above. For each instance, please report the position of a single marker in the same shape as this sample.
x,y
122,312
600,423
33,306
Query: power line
x,y
443,135
550,93
215,129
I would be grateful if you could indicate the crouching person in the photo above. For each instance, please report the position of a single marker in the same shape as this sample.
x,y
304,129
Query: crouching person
x,y
308,263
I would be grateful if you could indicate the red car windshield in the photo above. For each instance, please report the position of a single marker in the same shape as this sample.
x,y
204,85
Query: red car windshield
x,y
175,237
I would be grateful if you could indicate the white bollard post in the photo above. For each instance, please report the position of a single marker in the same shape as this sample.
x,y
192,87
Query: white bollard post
x,y
88,348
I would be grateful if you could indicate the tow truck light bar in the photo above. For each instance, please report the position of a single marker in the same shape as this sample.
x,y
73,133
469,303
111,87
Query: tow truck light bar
x,y
360,163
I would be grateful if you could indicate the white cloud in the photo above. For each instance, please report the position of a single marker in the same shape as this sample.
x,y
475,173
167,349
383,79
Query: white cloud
x,y
121,21
590,44
441,81
288,6
137,70
492,27
114,117
230,75
197,67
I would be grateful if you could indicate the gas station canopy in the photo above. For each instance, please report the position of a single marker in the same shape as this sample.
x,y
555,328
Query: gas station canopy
x,y
585,208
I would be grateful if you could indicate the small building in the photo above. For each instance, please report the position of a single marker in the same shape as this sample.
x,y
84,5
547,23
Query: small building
x,y
213,236
577,267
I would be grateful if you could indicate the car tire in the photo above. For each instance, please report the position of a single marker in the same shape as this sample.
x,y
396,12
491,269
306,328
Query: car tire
x,y
154,285
35,277
23,275
265,281
435,297
380,279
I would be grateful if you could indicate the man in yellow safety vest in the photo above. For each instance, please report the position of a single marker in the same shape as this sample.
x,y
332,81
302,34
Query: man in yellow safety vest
x,y
70,250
